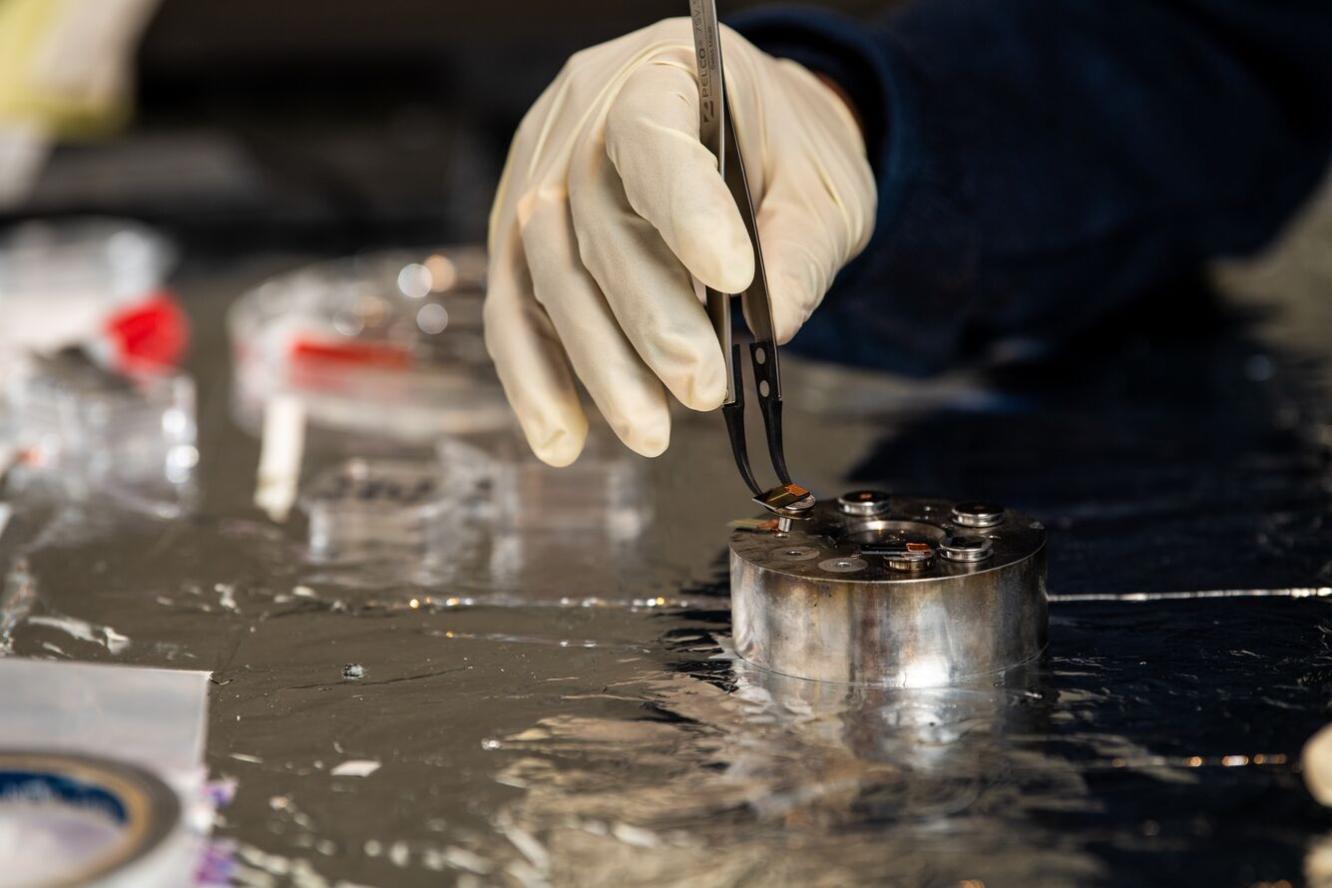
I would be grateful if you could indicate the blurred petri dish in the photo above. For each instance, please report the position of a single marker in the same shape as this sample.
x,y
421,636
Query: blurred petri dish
x,y
365,508
89,432
602,495
387,345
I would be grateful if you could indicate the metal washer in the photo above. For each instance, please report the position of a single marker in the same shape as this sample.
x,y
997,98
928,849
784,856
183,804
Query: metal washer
x,y
946,622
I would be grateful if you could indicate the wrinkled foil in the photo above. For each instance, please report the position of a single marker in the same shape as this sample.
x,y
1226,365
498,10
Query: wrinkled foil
x,y
545,707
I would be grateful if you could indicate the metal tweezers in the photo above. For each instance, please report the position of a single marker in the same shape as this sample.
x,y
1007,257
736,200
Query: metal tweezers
x,y
718,134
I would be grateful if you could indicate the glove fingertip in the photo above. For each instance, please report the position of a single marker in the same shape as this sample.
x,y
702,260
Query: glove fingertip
x,y
653,447
725,264
704,388
650,439
559,448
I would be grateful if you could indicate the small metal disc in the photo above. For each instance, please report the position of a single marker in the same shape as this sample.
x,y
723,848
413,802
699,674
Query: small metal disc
x,y
864,503
907,555
911,561
977,514
966,548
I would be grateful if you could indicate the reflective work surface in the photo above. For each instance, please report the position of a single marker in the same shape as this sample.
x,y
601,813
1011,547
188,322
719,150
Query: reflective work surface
x,y
558,709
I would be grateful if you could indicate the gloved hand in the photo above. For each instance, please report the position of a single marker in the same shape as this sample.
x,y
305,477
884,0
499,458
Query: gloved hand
x,y
65,69
609,202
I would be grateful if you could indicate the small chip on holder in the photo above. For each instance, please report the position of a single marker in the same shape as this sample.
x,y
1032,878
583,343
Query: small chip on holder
x,y
787,500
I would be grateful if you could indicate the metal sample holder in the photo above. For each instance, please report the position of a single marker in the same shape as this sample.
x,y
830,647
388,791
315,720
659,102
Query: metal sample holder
x,y
891,591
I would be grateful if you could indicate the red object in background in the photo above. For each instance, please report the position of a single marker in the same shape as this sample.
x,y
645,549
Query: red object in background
x,y
148,335
364,354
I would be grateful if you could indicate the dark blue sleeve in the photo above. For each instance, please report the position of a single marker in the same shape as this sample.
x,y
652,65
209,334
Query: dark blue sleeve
x,y
1041,163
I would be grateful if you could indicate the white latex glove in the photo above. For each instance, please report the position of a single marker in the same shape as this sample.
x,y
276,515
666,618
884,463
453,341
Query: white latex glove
x,y
1316,762
65,69
609,202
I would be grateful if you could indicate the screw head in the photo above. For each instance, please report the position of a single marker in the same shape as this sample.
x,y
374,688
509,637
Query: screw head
x,y
977,514
795,553
845,564
864,503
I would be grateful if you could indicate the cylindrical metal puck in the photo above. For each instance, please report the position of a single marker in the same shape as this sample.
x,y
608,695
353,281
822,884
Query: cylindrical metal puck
x,y
903,598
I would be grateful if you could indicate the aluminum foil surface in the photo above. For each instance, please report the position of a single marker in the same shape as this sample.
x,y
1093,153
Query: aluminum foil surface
x,y
551,707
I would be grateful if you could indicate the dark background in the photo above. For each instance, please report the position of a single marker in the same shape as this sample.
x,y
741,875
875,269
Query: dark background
x,y
331,126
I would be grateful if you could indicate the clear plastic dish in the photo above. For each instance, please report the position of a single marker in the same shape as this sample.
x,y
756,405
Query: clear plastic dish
x,y
387,344
89,432
604,491
368,508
